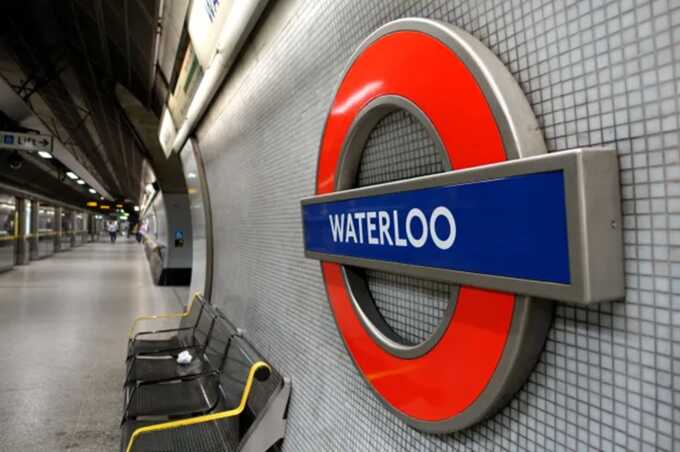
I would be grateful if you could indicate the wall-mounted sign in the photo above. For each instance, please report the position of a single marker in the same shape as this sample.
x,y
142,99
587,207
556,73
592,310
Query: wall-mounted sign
x,y
190,76
30,142
205,23
507,222
526,226
91,204
179,239
218,30
167,132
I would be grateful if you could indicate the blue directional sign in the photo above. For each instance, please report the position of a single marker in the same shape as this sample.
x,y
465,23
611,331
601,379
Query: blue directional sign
x,y
512,226
545,226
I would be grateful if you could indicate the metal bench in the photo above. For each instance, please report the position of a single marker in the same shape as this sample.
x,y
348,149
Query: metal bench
x,y
149,342
248,413
161,387
147,367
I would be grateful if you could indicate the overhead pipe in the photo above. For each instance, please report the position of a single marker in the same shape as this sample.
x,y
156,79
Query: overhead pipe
x,y
236,28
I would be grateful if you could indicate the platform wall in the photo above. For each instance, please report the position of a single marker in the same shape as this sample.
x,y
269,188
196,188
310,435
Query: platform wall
x,y
595,73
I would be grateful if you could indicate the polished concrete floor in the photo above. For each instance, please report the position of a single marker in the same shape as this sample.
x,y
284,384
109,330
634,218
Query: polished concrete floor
x,y
63,331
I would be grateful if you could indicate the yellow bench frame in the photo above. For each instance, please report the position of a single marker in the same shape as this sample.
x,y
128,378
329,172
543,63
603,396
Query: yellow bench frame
x,y
207,417
170,315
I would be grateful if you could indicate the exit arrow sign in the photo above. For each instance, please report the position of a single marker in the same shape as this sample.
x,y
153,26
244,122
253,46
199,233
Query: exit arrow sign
x,y
26,142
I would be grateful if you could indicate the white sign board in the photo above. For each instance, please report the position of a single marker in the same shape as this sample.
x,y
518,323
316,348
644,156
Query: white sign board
x,y
167,132
30,142
206,20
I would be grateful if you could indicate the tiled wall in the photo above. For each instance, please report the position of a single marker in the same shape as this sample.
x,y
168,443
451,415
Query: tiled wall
x,y
595,73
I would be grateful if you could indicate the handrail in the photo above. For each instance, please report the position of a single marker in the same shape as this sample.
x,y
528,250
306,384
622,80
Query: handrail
x,y
170,315
206,417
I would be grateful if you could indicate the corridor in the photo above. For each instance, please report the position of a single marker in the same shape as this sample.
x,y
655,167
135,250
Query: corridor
x,y
63,328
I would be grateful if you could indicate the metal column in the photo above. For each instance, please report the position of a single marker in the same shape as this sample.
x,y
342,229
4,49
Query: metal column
x,y
23,252
59,230
34,252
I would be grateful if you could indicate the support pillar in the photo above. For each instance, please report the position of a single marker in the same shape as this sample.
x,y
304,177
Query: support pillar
x,y
71,220
34,252
59,230
23,254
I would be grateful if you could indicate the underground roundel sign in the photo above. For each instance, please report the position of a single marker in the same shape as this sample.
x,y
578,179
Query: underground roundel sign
x,y
507,224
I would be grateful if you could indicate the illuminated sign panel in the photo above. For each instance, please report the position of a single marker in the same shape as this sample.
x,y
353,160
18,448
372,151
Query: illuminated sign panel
x,y
475,227
206,19
26,142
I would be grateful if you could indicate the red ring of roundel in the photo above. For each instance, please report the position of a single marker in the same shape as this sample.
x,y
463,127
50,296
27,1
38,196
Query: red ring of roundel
x,y
445,381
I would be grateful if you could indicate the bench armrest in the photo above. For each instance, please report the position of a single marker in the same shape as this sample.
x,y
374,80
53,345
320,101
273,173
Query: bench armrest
x,y
206,417
171,315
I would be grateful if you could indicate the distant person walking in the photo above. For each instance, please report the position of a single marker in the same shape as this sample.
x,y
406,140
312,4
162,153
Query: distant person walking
x,y
141,232
113,230
136,231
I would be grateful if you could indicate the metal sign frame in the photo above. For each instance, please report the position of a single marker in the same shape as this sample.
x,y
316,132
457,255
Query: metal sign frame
x,y
593,224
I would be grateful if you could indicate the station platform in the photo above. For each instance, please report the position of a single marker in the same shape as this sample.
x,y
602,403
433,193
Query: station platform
x,y
63,324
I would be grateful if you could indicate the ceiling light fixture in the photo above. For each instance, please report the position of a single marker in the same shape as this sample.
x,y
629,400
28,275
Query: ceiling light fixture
x,y
80,182
92,190
44,154
71,175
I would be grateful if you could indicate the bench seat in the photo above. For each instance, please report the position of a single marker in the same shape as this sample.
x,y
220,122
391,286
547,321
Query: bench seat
x,y
174,399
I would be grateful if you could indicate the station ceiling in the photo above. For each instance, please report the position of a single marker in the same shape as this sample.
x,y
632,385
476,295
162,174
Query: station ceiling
x,y
66,58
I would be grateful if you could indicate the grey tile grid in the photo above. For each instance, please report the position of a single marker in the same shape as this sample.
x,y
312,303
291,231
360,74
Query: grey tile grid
x,y
412,307
596,73
399,147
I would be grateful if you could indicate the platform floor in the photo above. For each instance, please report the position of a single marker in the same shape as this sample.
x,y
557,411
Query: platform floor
x,y
63,329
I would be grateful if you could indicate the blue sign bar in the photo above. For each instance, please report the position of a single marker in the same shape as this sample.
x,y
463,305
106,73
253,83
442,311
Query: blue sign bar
x,y
513,227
